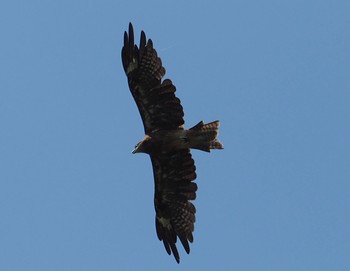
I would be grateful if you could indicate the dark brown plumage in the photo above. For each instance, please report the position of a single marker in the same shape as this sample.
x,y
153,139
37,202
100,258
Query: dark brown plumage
x,y
166,141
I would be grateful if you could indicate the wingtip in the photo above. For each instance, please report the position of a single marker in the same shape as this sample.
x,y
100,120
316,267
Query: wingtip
x,y
150,43
126,38
131,35
130,27
142,40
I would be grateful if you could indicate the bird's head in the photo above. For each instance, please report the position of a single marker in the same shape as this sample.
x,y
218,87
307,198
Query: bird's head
x,y
143,146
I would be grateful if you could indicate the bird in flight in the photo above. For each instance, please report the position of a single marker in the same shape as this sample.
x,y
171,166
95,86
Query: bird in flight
x,y
166,141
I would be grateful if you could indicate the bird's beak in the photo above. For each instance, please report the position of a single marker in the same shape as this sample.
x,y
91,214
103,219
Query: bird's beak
x,y
136,150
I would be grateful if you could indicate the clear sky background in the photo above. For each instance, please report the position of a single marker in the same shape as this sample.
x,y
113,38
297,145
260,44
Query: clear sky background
x,y
275,73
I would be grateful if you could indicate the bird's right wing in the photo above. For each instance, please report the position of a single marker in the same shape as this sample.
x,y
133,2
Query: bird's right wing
x,y
174,174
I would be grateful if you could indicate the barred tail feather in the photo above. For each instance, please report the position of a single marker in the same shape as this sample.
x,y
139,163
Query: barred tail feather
x,y
203,136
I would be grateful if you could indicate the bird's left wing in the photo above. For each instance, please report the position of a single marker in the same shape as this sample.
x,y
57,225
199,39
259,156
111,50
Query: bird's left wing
x,y
174,174
159,108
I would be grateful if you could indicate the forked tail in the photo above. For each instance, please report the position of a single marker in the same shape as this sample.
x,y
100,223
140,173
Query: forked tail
x,y
203,136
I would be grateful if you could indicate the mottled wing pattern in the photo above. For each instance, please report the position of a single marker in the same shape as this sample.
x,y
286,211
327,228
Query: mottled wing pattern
x,y
159,107
174,174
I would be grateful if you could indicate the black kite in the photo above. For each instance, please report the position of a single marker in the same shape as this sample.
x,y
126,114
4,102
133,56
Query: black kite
x,y
166,141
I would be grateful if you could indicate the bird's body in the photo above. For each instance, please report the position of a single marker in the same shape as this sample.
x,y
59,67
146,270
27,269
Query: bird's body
x,y
166,141
203,138
163,140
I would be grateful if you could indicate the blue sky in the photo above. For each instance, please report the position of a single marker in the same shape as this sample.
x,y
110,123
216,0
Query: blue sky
x,y
275,73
